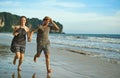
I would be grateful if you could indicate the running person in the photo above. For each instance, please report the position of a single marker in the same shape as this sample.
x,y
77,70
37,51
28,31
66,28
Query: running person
x,y
18,44
43,42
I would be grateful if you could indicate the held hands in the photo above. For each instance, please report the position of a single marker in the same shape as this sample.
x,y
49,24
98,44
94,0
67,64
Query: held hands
x,y
30,36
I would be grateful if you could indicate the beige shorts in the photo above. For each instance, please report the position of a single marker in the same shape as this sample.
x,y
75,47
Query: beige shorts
x,y
44,48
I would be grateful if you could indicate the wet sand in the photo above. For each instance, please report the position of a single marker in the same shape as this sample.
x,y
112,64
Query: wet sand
x,y
64,63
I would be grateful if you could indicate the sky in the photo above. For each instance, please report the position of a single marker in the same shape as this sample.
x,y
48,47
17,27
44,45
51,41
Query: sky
x,y
76,16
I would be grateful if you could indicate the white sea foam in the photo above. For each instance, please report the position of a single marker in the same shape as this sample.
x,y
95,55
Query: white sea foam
x,y
107,47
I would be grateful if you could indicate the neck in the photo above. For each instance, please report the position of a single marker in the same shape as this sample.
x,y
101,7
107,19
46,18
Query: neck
x,y
22,25
45,25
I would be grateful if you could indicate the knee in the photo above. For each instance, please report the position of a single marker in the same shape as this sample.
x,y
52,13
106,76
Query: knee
x,y
47,56
21,59
17,56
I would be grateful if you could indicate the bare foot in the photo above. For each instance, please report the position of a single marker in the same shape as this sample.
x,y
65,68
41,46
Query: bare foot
x,y
35,58
49,71
19,68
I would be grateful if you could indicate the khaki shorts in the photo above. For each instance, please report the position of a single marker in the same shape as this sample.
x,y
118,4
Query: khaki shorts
x,y
45,48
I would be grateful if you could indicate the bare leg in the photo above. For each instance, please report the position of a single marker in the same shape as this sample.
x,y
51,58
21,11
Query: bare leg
x,y
20,61
17,56
47,56
33,76
36,56
14,60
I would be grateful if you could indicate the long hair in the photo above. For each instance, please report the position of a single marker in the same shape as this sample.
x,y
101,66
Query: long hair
x,y
25,18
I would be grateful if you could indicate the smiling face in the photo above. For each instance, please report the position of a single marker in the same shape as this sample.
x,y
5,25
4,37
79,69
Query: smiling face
x,y
46,20
23,20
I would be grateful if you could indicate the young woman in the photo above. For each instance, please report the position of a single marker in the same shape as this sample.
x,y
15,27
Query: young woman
x,y
19,41
43,43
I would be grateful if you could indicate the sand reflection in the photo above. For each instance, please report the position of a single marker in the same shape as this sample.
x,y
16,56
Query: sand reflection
x,y
18,75
48,75
33,76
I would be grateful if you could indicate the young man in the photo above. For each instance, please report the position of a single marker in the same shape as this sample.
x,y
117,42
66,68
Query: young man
x,y
43,43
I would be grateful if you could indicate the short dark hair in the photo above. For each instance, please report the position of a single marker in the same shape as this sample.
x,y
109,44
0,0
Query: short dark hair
x,y
46,18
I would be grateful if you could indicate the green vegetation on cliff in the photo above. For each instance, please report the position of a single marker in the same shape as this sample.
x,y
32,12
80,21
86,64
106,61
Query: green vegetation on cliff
x,y
7,20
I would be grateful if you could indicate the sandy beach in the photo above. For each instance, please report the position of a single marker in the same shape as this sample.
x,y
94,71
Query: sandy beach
x,y
64,63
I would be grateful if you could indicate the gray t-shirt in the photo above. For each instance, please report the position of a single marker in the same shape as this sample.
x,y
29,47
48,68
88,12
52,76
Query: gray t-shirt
x,y
43,35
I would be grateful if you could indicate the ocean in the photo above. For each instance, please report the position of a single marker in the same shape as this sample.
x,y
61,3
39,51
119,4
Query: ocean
x,y
97,45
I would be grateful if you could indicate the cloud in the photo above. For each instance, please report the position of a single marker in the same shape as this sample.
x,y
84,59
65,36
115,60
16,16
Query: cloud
x,y
117,13
69,4
9,4
48,4
91,22
65,14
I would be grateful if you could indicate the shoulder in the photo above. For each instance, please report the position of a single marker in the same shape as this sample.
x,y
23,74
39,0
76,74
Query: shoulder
x,y
16,27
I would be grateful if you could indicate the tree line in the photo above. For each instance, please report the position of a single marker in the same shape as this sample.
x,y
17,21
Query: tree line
x,y
7,20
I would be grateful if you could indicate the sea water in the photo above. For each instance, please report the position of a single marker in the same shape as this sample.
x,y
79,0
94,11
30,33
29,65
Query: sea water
x,y
97,45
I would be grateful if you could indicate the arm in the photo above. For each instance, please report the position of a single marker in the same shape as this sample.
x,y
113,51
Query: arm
x,y
14,30
30,33
54,25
